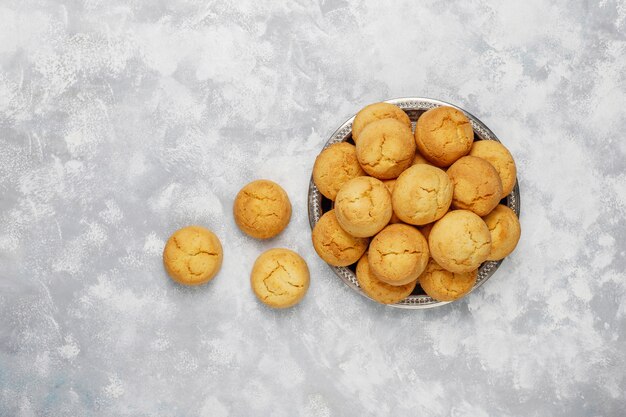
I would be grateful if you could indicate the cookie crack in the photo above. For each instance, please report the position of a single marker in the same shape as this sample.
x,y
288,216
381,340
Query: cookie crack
x,y
259,197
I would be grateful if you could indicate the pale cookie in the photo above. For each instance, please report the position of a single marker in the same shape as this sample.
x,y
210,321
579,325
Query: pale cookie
x,y
398,254
363,206
333,244
505,232
280,278
334,166
443,285
394,217
477,185
192,255
262,209
497,155
378,111
378,290
443,135
460,241
422,194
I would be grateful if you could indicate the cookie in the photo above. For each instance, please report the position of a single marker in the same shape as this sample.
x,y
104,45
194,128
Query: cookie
x,y
385,148
443,135
280,278
505,232
262,209
378,290
334,245
477,185
443,285
497,155
334,166
363,206
378,111
460,241
394,217
192,255
419,159
398,254
422,194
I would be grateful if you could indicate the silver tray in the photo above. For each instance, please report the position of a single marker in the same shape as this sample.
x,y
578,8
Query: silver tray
x,y
318,205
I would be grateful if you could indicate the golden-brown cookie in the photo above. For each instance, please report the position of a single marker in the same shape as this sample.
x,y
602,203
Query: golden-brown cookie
x,y
460,241
398,254
394,217
192,255
334,245
262,209
334,166
378,111
378,290
422,194
280,278
443,135
477,185
443,285
497,155
419,159
363,206
505,232
385,148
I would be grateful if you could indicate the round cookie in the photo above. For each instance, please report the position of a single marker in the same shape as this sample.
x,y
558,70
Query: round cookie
x,y
385,148
280,278
334,166
443,285
377,111
477,185
363,206
505,232
398,254
394,217
333,244
262,209
192,255
422,194
497,155
378,290
419,159
443,135
460,241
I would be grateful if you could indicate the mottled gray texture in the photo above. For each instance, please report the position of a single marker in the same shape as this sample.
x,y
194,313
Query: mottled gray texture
x,y
122,121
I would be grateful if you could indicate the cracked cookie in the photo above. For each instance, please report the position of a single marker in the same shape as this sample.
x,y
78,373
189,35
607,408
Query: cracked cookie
x,y
262,209
505,232
394,217
192,255
280,278
419,159
334,245
378,290
497,155
363,206
460,241
385,148
443,285
398,254
443,135
378,111
334,166
477,185
422,194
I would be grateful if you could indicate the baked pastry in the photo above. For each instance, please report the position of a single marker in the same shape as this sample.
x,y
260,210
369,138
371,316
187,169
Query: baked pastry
x,y
334,245
497,155
422,194
394,217
262,209
460,241
443,285
477,185
280,278
385,148
192,255
378,111
505,232
398,254
419,159
443,135
363,206
378,290
334,166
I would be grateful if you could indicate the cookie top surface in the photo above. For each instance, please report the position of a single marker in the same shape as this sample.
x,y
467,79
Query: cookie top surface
x,y
363,206
333,244
334,166
477,185
505,232
499,156
443,285
192,255
378,290
262,209
377,111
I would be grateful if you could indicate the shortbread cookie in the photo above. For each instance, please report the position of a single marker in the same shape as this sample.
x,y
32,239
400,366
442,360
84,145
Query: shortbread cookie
x,y
477,185
262,209
192,255
505,232
378,111
443,285
378,290
334,166
280,278
334,245
363,206
394,217
499,156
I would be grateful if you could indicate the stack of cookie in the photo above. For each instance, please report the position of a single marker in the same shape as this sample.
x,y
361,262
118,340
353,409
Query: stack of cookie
x,y
416,207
